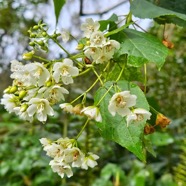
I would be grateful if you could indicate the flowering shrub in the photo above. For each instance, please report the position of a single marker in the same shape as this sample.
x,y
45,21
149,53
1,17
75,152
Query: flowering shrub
x,y
115,54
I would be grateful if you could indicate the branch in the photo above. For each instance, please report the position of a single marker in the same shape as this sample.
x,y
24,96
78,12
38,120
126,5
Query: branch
x,y
81,13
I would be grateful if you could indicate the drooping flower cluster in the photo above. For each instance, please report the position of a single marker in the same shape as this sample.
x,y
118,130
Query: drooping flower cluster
x,y
123,103
65,156
36,87
99,48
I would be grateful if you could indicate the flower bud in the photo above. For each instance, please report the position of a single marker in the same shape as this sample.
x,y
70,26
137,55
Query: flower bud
x,y
36,27
65,35
41,43
162,120
80,46
23,107
22,94
13,89
54,36
28,55
44,34
48,83
32,35
148,129
88,43
7,90
32,44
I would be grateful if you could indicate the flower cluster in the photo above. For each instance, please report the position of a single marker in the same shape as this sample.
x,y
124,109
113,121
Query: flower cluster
x,y
123,103
36,87
66,155
99,49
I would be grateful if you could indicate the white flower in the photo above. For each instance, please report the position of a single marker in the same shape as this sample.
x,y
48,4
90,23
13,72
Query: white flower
x,y
10,101
65,142
97,39
23,113
54,93
89,161
24,77
40,108
65,70
102,59
120,103
92,112
110,47
45,141
16,66
92,53
89,27
66,107
61,168
65,35
138,114
38,72
74,156
54,150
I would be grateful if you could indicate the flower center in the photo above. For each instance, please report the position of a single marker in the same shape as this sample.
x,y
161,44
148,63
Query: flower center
x,y
41,107
120,102
65,71
139,117
75,155
38,72
90,28
97,39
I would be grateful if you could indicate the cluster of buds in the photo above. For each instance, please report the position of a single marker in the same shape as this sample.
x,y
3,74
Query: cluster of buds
x,y
98,48
39,36
66,155
123,103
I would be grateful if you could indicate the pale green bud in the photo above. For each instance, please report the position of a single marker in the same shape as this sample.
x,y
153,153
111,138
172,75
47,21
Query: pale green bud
x,y
88,43
80,46
36,27
48,83
28,55
7,90
13,89
22,94
23,107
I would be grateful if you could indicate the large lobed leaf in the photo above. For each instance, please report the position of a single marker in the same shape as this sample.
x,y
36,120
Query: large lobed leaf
x,y
114,127
145,9
58,5
141,48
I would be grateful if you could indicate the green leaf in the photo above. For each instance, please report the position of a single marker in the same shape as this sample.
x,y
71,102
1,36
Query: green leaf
x,y
58,5
175,5
129,74
152,11
109,22
115,128
148,147
141,48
